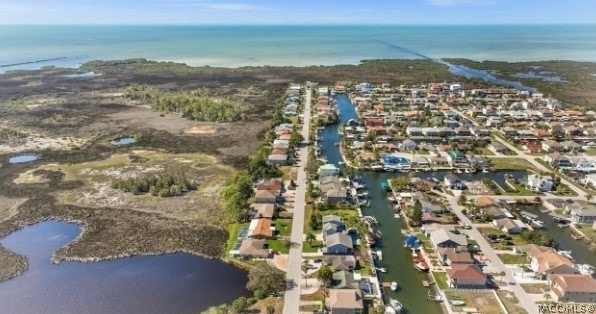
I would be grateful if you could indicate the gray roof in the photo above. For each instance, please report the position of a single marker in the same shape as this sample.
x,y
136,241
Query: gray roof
x,y
339,239
344,280
340,261
332,219
336,193
441,235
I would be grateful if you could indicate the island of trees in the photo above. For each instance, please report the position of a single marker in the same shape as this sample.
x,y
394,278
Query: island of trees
x,y
156,185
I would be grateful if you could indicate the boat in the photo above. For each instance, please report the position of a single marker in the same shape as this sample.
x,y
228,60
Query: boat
x,y
385,186
336,144
379,255
396,215
396,305
341,162
394,286
381,269
457,302
420,264
585,269
566,254
484,170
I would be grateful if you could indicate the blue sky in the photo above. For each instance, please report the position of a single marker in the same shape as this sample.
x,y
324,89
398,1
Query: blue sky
x,y
297,12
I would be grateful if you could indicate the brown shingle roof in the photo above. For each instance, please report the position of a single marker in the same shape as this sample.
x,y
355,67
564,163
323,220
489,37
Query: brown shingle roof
x,y
574,282
485,201
345,299
549,259
465,271
253,247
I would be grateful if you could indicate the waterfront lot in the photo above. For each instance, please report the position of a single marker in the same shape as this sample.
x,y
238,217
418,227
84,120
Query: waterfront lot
x,y
484,302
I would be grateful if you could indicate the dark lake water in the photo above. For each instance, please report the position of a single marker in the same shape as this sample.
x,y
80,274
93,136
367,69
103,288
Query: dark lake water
x,y
171,283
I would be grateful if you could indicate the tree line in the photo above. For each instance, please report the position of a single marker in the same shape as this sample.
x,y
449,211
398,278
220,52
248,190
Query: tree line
x,y
199,105
156,185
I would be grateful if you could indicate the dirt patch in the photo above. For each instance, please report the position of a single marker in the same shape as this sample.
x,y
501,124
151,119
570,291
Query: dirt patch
x,y
201,129
9,207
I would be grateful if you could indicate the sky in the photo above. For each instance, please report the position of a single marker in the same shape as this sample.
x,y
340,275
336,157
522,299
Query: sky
x,y
297,12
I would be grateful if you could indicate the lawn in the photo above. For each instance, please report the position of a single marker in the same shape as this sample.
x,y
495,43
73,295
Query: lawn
x,y
485,151
283,226
501,163
278,245
441,280
234,230
308,211
285,170
364,269
520,190
311,247
587,230
484,302
510,301
513,258
534,288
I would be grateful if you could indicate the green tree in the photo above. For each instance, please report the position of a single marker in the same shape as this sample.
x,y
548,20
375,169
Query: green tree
x,y
325,275
240,305
415,215
270,309
310,237
265,280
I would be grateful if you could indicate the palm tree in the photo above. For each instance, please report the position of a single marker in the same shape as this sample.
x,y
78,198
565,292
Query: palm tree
x,y
325,275
310,237
305,267
502,273
588,197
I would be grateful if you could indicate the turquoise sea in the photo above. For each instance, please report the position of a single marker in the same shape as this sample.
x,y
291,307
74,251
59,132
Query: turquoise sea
x,y
233,46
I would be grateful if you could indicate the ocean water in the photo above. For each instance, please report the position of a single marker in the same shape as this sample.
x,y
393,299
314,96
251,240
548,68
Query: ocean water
x,y
233,46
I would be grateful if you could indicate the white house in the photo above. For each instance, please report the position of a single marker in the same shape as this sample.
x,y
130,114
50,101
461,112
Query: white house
x,y
539,183
327,170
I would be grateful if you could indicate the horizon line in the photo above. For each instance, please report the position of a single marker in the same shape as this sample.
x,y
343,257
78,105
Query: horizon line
x,y
296,25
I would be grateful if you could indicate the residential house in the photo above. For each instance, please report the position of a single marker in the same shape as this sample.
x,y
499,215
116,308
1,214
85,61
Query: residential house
x,y
486,201
345,301
509,225
252,248
344,280
340,262
468,276
408,145
480,132
260,228
338,244
336,196
532,147
539,183
558,160
572,288
570,146
265,196
263,210
458,255
278,159
581,213
494,212
463,131
443,238
457,158
551,146
497,147
328,183
551,262
429,207
332,224
327,170
429,228
453,182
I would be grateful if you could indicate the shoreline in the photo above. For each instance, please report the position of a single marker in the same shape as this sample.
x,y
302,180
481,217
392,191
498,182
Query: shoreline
x,y
22,264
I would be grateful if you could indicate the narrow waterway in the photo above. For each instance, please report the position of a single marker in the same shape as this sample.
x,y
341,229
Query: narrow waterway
x,y
398,261
171,283
580,250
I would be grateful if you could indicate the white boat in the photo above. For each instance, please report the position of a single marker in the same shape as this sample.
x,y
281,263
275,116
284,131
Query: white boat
x,y
458,302
394,286
484,170
396,216
585,269
396,305
381,269
379,254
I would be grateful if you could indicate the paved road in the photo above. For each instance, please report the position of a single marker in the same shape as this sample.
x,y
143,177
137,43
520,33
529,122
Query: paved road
x,y
530,158
294,274
525,300
528,197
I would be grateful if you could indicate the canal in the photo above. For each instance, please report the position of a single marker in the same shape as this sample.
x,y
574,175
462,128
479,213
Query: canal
x,y
398,261
580,250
